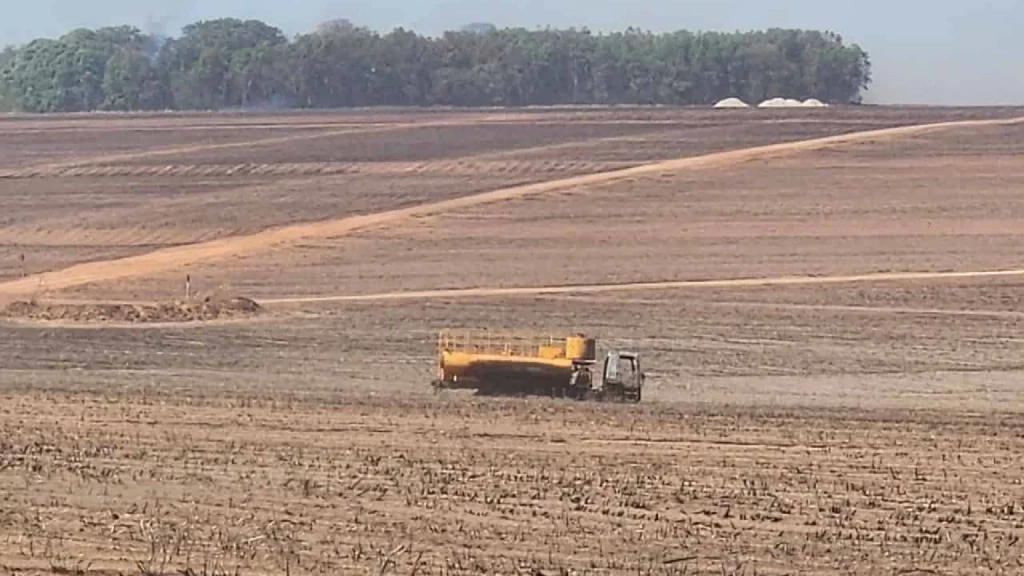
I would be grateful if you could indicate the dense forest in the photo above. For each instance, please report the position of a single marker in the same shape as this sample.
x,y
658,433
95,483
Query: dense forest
x,y
231,63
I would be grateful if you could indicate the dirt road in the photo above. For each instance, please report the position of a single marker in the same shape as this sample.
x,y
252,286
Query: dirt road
x,y
641,286
180,257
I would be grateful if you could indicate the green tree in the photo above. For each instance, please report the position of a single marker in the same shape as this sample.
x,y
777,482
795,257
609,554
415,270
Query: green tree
x,y
131,82
7,57
333,66
67,74
221,63
229,63
40,77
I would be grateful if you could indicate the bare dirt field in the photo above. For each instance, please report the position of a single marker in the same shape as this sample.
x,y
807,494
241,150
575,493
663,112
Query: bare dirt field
x,y
931,204
831,332
399,486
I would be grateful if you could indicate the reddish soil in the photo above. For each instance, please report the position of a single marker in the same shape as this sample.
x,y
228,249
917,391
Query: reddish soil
x,y
833,212
824,426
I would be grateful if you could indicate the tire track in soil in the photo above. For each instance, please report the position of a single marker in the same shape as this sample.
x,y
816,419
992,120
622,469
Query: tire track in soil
x,y
463,167
58,168
663,285
178,257
470,165
1009,314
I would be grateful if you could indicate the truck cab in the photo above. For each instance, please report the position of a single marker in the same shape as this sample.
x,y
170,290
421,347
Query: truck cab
x,y
623,377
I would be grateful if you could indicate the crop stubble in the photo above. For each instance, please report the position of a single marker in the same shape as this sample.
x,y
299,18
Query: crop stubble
x,y
847,429
456,487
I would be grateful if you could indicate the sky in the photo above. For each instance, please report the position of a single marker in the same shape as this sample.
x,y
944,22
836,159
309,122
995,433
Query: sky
x,y
951,52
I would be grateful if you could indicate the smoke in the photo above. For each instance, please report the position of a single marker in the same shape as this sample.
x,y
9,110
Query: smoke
x,y
157,29
162,26
479,27
275,102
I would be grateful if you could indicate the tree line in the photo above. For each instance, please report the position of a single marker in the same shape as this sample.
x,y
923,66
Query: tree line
x,y
231,63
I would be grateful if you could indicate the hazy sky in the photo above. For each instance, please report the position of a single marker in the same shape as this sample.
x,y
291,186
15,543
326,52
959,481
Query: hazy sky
x,y
923,51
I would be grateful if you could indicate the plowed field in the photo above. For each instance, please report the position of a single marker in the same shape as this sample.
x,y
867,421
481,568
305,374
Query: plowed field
x,y
831,329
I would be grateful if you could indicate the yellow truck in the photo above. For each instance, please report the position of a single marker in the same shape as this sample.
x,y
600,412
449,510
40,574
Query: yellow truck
x,y
495,363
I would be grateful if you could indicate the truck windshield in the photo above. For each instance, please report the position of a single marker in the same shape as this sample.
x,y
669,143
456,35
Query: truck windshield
x,y
620,368
628,367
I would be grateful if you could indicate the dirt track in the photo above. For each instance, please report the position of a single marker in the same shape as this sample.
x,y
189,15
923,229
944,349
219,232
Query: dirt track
x,y
183,256
468,166
640,286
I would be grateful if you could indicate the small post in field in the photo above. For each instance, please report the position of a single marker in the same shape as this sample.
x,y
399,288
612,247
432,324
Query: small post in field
x,y
188,286
24,269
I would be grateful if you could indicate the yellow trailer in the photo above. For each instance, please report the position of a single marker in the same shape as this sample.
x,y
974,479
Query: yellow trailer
x,y
516,364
